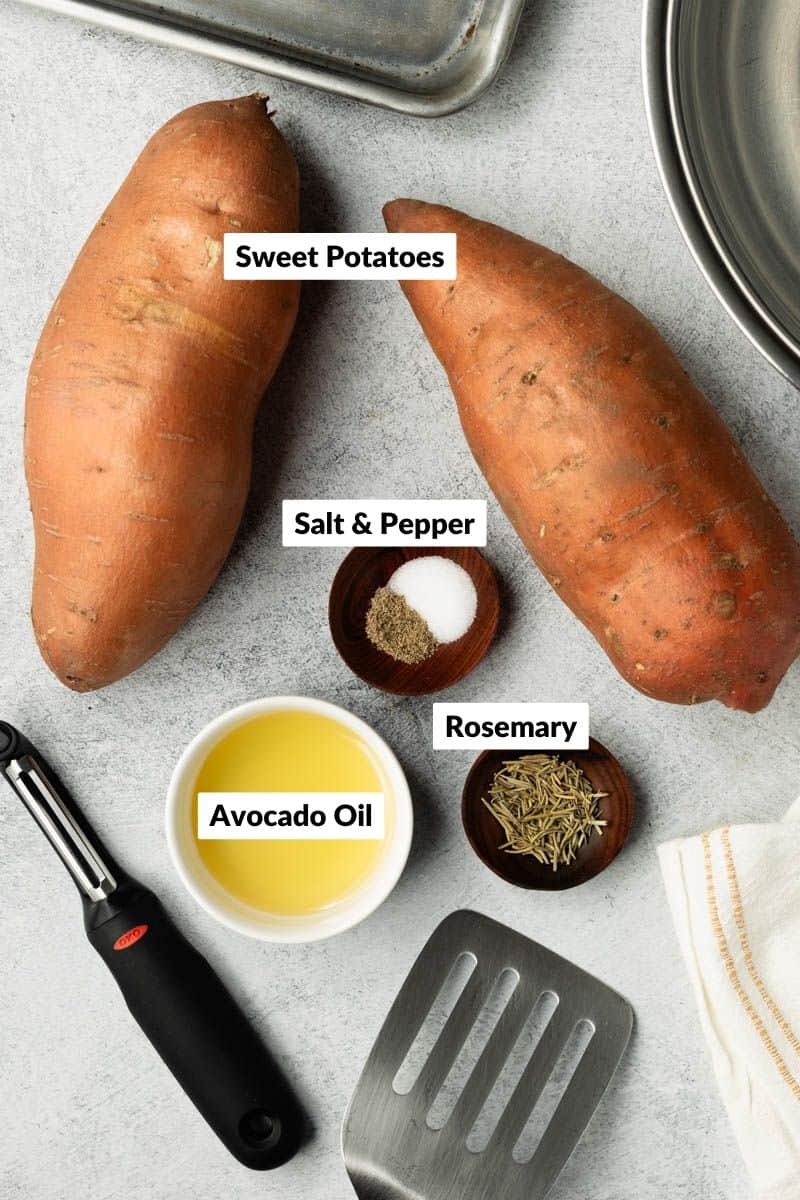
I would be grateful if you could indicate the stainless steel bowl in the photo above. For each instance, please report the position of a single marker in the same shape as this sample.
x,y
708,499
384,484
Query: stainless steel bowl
x,y
722,85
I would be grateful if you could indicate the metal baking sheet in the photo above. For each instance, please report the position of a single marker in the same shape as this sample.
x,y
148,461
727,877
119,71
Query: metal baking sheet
x,y
723,88
424,57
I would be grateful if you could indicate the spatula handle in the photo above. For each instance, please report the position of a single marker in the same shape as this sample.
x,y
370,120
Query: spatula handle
x,y
200,1032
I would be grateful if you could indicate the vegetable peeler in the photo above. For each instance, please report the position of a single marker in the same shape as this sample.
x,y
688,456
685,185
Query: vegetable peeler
x,y
180,1003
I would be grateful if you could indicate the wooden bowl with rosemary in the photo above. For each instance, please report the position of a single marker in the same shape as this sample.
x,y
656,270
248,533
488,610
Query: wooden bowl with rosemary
x,y
547,820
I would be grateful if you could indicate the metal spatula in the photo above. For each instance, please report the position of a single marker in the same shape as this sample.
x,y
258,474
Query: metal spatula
x,y
473,1090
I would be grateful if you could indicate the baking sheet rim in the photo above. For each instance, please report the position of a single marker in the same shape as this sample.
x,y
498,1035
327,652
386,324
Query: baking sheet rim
x,y
281,66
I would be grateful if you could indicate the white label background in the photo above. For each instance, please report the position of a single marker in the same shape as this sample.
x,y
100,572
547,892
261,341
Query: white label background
x,y
326,802
512,712
444,243
405,509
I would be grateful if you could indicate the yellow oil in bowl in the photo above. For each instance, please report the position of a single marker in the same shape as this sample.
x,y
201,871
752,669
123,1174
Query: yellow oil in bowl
x,y
292,750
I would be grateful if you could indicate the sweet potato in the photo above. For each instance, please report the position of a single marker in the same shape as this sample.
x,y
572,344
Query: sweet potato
x,y
143,391
622,481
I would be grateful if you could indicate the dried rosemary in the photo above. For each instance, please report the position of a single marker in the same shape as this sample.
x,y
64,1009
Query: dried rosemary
x,y
546,806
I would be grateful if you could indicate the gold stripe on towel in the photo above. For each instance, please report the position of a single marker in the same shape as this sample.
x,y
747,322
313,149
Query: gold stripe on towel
x,y
733,974
752,971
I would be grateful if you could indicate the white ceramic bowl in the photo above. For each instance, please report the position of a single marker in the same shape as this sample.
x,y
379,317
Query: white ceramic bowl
x,y
274,927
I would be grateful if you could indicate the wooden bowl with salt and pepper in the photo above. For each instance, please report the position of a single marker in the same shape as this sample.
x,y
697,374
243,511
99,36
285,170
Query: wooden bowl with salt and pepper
x,y
486,834
363,572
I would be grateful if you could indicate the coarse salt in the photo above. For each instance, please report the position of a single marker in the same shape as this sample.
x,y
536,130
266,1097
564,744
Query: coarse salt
x,y
441,592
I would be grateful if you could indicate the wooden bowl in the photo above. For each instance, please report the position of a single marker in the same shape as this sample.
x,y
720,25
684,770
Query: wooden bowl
x,y
486,834
368,568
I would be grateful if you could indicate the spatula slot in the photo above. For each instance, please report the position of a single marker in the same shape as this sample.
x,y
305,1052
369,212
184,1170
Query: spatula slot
x,y
567,1064
521,1053
431,1028
501,992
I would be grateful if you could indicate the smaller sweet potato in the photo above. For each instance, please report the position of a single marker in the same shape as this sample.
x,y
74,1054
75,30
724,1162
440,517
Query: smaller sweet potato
x,y
144,388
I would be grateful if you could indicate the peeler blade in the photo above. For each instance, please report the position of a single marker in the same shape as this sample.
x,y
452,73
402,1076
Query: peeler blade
x,y
487,1070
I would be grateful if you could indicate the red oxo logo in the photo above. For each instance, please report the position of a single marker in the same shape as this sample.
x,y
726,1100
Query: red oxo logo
x,y
133,935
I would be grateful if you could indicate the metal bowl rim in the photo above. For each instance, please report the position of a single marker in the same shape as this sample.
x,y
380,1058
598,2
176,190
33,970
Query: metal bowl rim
x,y
660,87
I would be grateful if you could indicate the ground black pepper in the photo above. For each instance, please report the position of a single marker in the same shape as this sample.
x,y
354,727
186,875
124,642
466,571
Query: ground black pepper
x,y
394,627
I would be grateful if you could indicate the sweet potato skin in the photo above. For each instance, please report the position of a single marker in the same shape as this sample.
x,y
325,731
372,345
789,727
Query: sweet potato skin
x,y
143,391
623,483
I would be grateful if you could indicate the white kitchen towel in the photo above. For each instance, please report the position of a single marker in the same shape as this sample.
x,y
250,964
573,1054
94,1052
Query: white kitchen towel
x,y
735,900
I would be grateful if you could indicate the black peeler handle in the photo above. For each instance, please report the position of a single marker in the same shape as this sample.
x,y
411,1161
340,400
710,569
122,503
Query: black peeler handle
x,y
178,1000
199,1030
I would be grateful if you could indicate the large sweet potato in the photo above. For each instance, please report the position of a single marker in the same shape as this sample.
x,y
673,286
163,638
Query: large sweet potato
x,y
144,388
622,481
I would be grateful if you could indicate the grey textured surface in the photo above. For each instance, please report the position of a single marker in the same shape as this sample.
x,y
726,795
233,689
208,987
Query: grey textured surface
x,y
558,149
